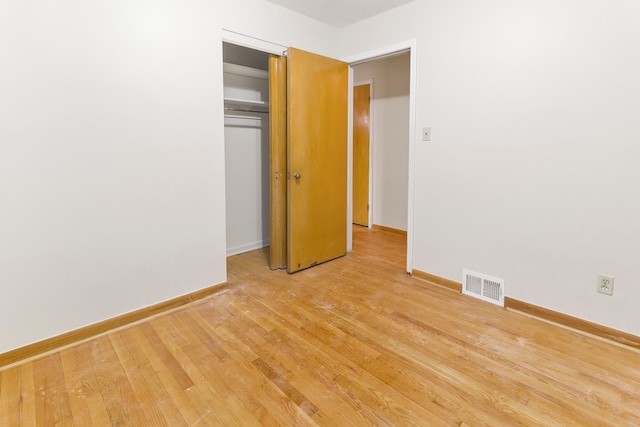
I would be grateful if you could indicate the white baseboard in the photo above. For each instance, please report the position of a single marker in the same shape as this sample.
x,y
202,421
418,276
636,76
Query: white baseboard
x,y
235,250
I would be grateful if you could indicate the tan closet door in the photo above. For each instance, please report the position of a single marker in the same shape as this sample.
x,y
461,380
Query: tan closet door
x,y
278,160
317,159
361,154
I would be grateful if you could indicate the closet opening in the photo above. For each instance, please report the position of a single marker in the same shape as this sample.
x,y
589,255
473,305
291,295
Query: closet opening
x,y
246,139
272,114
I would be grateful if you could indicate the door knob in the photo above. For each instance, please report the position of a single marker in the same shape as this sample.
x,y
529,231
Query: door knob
x,y
296,175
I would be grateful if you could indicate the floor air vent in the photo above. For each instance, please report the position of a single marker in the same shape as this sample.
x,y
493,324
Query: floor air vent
x,y
484,287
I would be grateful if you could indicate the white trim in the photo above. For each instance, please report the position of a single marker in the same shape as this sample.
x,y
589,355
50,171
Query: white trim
x,y
370,200
392,50
248,247
411,46
350,161
252,42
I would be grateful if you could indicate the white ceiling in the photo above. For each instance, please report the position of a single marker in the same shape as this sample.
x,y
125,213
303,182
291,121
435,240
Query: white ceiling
x,y
340,13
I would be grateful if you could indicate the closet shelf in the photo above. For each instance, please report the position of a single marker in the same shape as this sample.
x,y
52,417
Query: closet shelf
x,y
244,104
241,70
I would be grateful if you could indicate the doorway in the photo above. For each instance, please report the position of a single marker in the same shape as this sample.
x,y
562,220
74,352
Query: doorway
x,y
407,48
389,148
246,134
315,147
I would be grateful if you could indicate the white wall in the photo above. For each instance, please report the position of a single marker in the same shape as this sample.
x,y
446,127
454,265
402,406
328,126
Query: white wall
x,y
112,177
112,149
531,174
390,137
247,184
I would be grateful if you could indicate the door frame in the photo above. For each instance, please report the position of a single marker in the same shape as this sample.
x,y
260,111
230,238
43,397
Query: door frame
x,y
252,42
371,113
391,50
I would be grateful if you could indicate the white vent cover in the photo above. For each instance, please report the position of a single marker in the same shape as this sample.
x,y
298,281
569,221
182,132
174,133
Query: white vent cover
x,y
484,287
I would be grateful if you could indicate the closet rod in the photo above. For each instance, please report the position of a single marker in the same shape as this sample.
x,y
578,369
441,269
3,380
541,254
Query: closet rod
x,y
244,110
232,116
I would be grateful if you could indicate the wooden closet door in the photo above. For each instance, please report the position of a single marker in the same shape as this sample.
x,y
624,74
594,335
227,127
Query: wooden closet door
x,y
317,159
278,160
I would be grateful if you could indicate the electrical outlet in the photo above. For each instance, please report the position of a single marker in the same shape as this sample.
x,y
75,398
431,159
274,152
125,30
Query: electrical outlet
x,y
605,284
426,134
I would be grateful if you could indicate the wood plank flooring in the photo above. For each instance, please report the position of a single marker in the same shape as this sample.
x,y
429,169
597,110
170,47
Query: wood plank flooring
x,y
353,342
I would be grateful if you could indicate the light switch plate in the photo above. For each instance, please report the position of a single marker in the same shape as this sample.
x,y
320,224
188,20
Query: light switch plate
x,y
426,134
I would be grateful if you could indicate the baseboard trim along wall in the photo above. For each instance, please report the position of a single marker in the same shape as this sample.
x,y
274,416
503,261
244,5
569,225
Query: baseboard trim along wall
x,y
248,247
526,308
389,229
573,322
77,335
451,284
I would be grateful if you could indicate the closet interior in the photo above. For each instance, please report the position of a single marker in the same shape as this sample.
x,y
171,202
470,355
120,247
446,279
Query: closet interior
x,y
246,138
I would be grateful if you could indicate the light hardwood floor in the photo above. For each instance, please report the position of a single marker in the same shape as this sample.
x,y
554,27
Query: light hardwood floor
x,y
351,342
